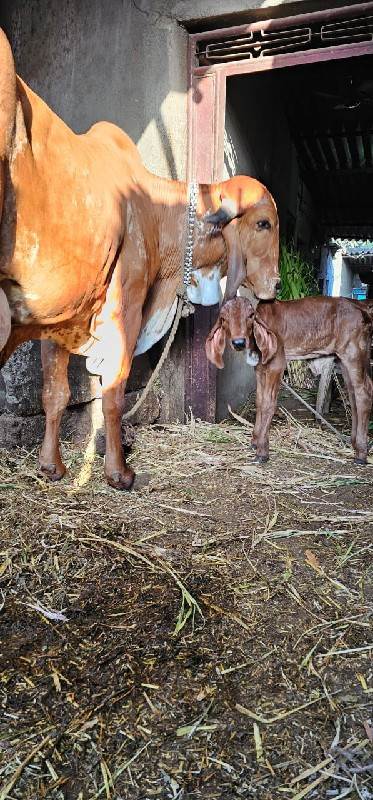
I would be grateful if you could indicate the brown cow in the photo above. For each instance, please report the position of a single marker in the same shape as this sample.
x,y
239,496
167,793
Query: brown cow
x,y
91,248
313,327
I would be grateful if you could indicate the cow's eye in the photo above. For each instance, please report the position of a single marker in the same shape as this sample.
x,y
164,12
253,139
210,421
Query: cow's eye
x,y
263,225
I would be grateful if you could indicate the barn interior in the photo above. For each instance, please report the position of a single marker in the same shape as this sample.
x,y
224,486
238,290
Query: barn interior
x,y
307,133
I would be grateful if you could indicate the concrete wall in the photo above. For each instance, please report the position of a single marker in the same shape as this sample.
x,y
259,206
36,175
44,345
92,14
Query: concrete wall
x,y
92,60
337,277
204,14
343,276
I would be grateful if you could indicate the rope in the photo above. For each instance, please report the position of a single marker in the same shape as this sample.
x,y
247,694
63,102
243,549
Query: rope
x,y
322,419
187,263
161,361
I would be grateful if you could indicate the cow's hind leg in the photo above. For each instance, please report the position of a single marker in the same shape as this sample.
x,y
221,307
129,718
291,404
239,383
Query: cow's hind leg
x,y
56,394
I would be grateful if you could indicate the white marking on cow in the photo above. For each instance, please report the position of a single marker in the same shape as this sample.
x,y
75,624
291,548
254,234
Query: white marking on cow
x,y
89,201
252,358
33,248
205,288
20,139
28,246
157,326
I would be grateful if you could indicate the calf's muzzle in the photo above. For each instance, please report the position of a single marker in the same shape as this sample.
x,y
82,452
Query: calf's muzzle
x,y
239,344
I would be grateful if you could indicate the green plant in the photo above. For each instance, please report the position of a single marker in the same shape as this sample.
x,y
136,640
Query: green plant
x,y
297,278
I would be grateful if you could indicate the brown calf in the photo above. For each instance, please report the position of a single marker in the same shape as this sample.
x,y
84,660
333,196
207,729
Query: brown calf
x,y
277,332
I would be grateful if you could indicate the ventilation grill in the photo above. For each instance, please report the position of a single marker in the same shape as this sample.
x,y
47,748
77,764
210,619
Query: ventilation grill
x,y
264,43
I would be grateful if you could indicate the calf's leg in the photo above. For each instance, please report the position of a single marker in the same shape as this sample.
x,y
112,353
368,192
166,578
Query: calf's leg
x,y
260,383
360,388
271,377
56,394
352,399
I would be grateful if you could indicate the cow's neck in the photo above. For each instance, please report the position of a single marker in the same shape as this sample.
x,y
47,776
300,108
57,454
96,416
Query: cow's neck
x,y
168,201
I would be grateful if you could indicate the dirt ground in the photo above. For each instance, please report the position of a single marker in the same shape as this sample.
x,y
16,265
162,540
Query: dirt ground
x,y
206,636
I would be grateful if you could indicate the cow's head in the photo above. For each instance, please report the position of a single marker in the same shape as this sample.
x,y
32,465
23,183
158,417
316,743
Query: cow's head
x,y
245,330
249,222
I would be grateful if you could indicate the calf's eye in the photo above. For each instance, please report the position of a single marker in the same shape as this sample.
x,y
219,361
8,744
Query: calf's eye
x,y
263,225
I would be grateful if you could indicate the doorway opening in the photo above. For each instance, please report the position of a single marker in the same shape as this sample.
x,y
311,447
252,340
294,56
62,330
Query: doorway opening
x,y
297,115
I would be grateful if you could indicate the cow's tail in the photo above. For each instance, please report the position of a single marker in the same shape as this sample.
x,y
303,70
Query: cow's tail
x,y
7,107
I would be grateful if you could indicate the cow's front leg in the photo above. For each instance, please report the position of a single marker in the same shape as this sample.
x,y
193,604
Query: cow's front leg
x,y
56,395
118,473
118,342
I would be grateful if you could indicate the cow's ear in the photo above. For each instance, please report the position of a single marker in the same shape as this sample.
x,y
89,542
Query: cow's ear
x,y
215,344
236,270
226,216
265,339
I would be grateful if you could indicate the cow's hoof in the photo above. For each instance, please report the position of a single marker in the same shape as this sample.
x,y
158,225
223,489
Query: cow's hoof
x,y
260,459
253,446
121,481
361,462
51,473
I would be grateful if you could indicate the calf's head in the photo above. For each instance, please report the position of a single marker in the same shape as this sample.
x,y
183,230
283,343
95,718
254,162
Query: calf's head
x,y
249,221
245,330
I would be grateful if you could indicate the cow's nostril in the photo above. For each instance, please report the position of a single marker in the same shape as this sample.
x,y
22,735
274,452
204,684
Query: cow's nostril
x,y
239,344
278,287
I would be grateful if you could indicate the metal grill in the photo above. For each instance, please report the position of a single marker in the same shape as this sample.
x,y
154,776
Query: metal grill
x,y
266,43
348,31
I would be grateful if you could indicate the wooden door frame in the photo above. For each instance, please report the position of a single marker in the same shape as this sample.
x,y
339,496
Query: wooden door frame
x,y
206,98
206,107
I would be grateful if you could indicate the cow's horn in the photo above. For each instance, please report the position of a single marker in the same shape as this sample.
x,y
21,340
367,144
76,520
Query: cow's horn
x,y
226,212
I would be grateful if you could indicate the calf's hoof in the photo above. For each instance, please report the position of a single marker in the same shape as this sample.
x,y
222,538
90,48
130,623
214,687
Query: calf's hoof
x,y
51,472
260,459
121,480
361,462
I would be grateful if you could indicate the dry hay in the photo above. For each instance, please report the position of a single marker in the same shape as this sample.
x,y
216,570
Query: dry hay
x,y
206,636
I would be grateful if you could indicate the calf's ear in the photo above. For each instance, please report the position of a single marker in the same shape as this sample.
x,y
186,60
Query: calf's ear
x,y
265,339
215,345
